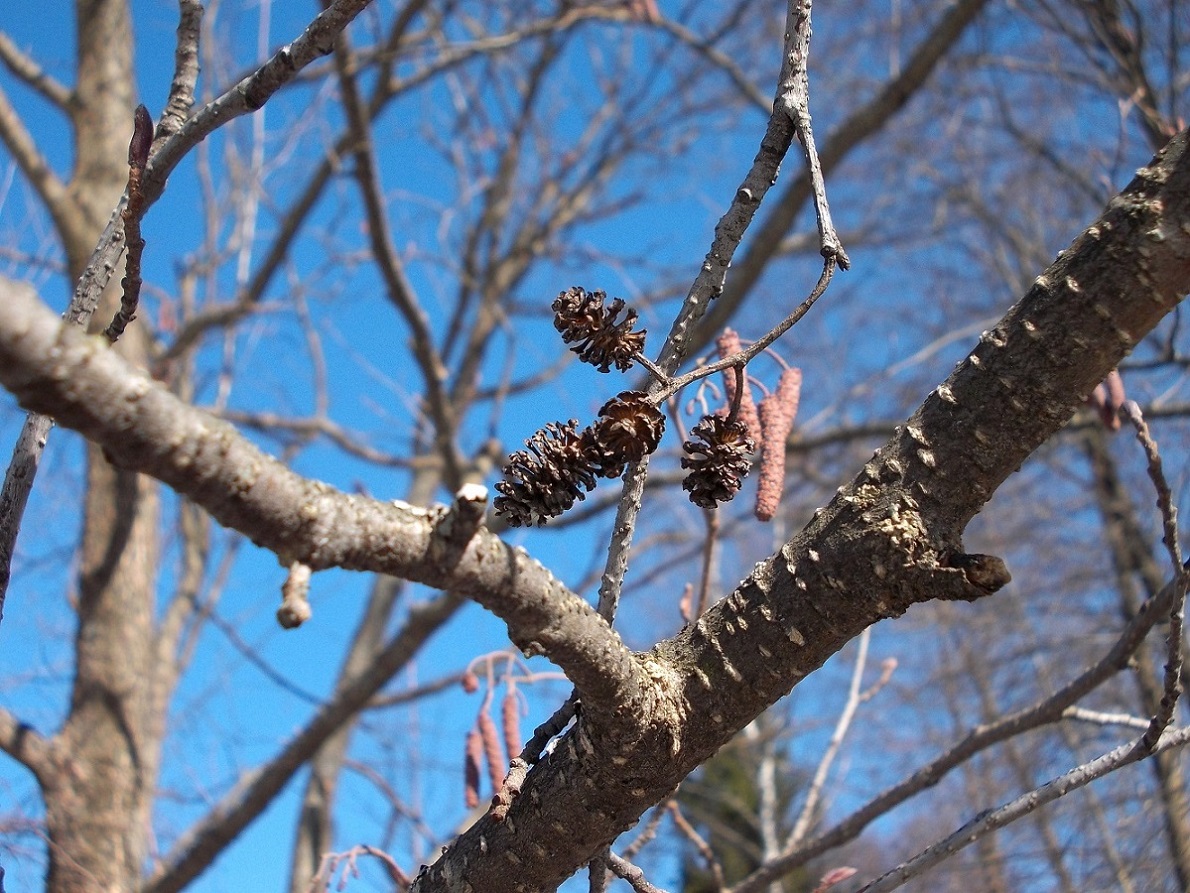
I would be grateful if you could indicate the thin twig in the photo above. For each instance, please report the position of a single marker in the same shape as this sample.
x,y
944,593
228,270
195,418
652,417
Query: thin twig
x,y
181,88
993,819
708,561
18,483
700,844
745,356
626,871
708,285
32,74
1099,718
134,209
814,794
794,99
1172,687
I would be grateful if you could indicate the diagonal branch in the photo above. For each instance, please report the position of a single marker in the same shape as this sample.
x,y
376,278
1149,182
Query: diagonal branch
x,y
298,519
33,75
992,819
27,747
49,187
207,838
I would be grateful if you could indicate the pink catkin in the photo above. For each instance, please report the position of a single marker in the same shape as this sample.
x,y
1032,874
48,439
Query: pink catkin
x,y
776,413
510,719
492,750
471,760
729,343
1115,399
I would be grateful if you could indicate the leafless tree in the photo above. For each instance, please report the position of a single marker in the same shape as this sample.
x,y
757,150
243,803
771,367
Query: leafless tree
x,y
394,194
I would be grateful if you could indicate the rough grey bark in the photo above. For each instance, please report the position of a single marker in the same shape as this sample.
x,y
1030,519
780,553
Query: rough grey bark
x,y
891,538
98,801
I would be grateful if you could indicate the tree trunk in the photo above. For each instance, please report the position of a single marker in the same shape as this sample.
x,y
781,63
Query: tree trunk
x,y
98,806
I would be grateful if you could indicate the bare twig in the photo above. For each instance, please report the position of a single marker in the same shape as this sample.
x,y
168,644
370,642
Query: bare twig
x,y
598,873
1172,687
32,74
992,819
332,863
1099,718
793,98
700,844
625,870
814,794
181,89
138,157
18,483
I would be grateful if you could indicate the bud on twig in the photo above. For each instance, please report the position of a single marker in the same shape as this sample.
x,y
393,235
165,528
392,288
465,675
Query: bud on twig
x,y
142,138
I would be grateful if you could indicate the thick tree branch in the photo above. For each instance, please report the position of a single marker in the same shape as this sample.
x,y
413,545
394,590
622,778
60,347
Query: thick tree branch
x,y
298,519
26,746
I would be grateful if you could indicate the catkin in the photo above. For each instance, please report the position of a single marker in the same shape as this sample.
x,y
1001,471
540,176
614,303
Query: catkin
x,y
729,344
777,413
472,755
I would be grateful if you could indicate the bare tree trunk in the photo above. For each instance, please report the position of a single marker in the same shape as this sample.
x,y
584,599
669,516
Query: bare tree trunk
x,y
98,807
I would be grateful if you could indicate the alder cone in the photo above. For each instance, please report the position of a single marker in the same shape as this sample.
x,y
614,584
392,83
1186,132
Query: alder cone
x,y
629,428
601,340
718,456
546,479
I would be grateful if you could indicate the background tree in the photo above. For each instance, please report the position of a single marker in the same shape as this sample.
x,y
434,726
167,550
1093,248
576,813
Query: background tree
x,y
388,199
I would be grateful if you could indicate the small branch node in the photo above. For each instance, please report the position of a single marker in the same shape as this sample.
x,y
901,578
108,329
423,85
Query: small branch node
x,y
295,597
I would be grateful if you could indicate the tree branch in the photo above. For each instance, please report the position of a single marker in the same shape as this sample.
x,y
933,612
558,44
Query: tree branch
x,y
298,519
33,75
65,212
26,746
206,839
988,821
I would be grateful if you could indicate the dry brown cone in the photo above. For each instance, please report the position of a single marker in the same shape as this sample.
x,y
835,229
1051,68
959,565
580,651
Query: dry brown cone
x,y
629,427
718,456
601,341
544,480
